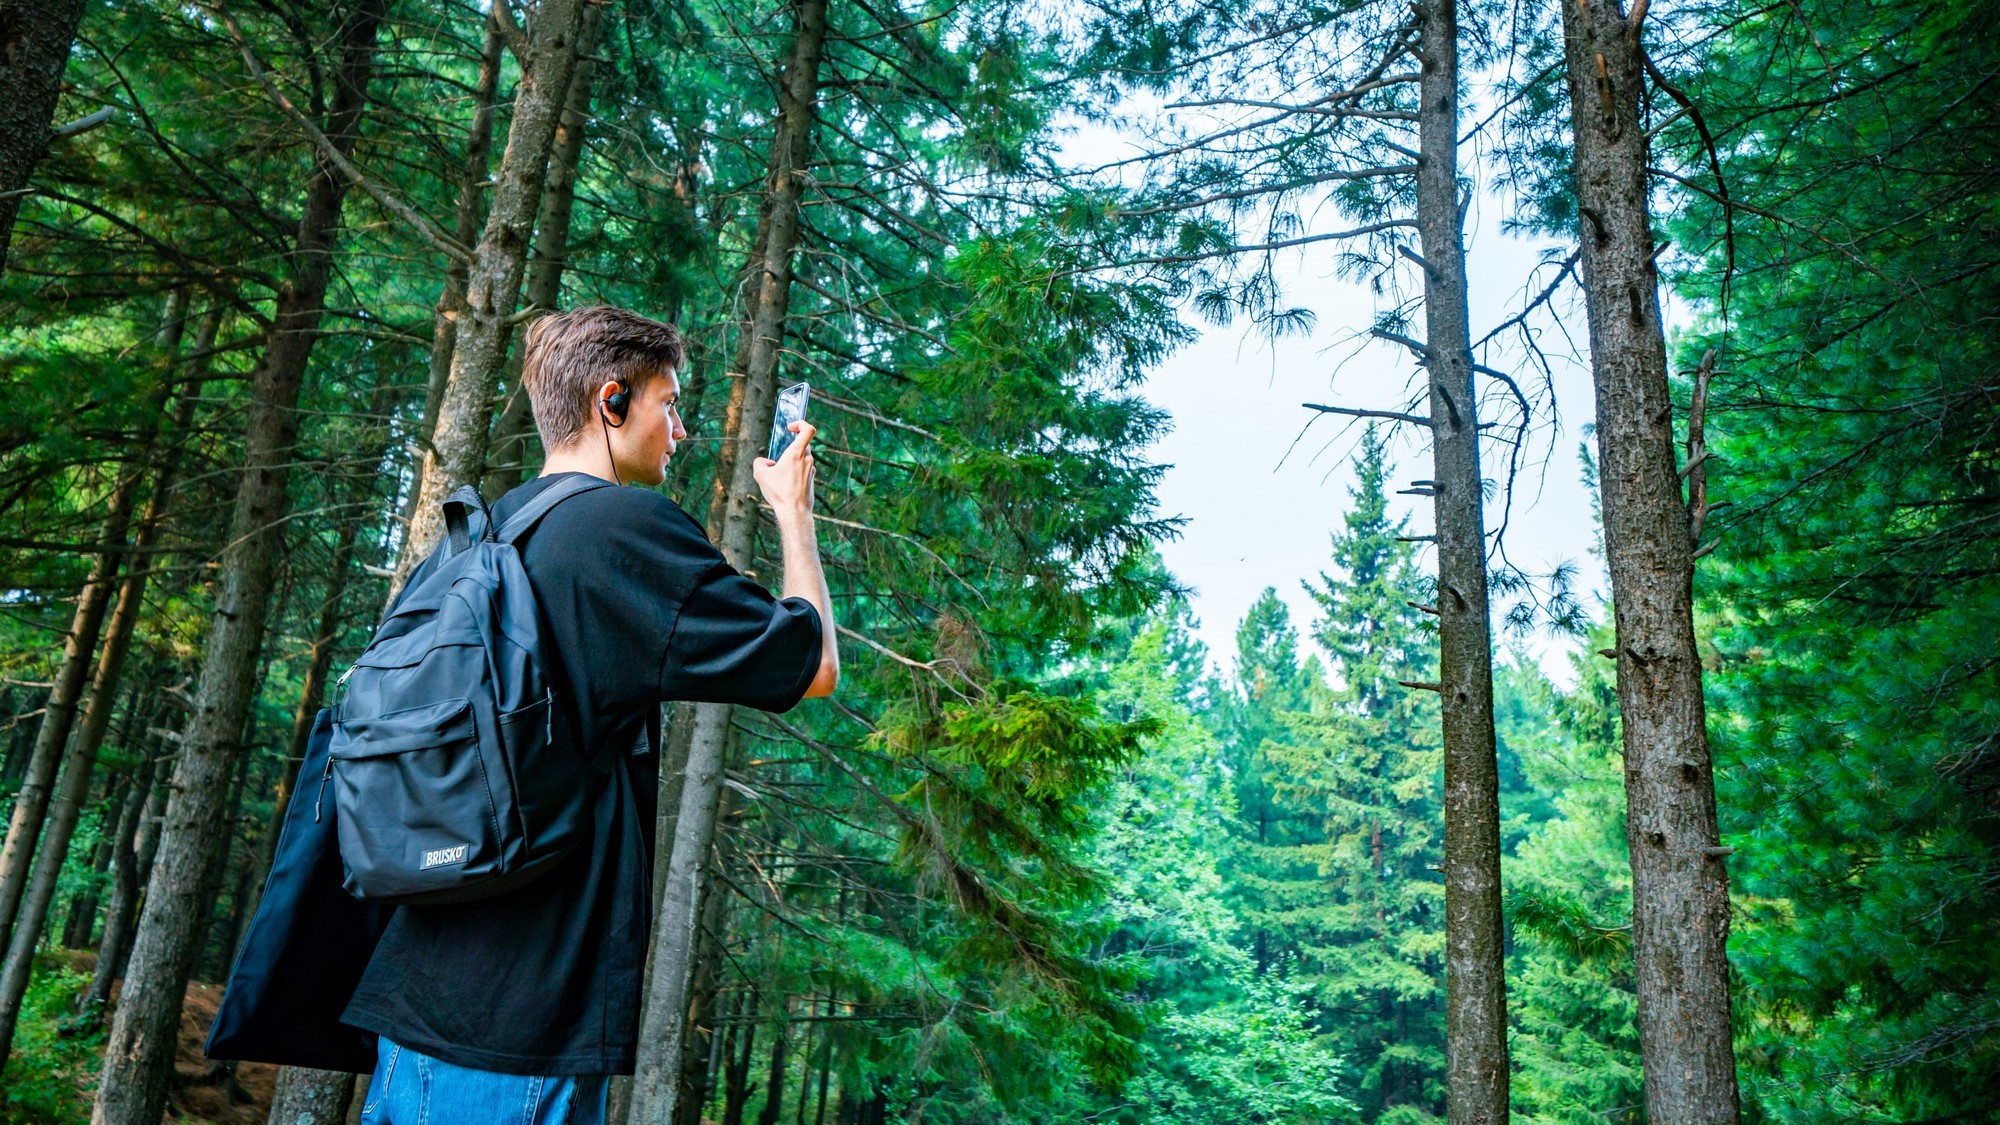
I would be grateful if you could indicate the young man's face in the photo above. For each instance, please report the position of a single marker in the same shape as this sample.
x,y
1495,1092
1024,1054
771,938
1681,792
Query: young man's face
x,y
642,446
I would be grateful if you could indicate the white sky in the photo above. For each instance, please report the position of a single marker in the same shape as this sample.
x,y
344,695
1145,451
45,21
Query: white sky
x,y
1259,516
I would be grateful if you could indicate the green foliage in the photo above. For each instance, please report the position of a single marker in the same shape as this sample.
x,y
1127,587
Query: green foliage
x,y
51,1070
1225,1042
1569,895
1039,862
1248,1059
996,821
1854,689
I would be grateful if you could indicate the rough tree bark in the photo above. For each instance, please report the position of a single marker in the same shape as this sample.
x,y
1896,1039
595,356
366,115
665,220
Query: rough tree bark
x,y
471,189
304,1096
545,265
655,1088
35,37
1680,888
705,976
1476,1073
139,1054
457,453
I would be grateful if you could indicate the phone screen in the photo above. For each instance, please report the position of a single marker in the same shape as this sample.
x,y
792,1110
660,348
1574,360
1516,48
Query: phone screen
x,y
791,408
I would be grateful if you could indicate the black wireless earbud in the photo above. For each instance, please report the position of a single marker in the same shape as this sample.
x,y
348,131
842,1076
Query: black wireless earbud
x,y
615,403
618,402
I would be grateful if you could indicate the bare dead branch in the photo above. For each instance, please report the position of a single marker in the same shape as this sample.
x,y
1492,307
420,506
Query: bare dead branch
x,y
82,125
1351,412
1520,319
1417,347
1697,450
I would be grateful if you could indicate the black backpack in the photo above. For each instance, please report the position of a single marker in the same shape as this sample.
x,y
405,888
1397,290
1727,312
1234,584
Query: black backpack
x,y
453,774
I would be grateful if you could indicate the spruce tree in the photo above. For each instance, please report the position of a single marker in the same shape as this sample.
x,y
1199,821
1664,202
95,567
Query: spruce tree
x,y
1362,767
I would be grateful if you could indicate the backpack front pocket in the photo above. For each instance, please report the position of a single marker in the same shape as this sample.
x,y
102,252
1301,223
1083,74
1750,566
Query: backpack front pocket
x,y
414,805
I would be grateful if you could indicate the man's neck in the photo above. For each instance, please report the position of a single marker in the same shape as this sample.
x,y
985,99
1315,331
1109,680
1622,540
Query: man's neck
x,y
578,457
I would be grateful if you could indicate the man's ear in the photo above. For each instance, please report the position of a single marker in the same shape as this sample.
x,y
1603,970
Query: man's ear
x,y
614,411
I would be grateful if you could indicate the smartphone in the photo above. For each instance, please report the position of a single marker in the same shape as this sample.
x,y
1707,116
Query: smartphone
x,y
791,408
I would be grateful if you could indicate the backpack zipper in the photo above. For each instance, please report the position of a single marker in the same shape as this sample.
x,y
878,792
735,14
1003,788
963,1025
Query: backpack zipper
x,y
320,798
340,688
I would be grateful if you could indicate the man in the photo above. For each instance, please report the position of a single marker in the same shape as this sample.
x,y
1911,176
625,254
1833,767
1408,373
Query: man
x,y
519,1007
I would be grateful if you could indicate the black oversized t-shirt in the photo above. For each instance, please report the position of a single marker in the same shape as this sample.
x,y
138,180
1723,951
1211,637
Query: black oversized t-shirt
x,y
639,608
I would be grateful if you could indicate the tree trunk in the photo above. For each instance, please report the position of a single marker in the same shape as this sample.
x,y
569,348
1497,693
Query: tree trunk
x,y
35,37
212,883
20,745
245,863
774,1080
115,950
123,902
805,1065
664,1023
247,870
1680,888
545,267
139,1053
80,922
31,806
310,1097
471,188
458,441
705,977
825,1068
1476,1073
736,1071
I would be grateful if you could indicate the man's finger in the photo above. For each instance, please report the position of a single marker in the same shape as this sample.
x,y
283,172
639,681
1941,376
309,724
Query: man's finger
x,y
805,431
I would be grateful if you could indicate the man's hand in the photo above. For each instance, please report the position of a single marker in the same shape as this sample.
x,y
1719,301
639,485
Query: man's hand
x,y
788,489
787,483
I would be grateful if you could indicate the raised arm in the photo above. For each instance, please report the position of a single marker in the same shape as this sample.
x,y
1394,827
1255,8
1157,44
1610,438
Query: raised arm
x,y
787,484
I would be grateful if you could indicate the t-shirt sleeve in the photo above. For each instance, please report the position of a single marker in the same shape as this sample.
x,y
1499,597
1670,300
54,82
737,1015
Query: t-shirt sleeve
x,y
735,643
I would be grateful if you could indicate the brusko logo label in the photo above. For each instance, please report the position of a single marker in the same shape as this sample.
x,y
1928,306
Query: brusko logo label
x,y
438,857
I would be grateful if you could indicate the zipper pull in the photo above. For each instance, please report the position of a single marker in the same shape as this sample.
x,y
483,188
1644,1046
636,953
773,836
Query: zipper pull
x,y
549,719
320,798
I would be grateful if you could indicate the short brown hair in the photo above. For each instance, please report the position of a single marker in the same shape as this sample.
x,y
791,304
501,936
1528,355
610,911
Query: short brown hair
x,y
570,354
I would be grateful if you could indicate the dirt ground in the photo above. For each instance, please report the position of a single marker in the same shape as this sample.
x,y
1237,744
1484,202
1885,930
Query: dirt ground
x,y
203,1091
208,1091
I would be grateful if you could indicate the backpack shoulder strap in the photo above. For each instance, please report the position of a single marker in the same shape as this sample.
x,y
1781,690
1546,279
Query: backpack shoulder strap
x,y
531,514
458,507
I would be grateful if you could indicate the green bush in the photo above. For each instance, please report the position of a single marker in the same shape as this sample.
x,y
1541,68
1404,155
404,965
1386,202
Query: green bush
x,y
52,1069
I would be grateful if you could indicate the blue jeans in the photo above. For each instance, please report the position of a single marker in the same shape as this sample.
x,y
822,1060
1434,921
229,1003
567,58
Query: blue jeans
x,y
410,1088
